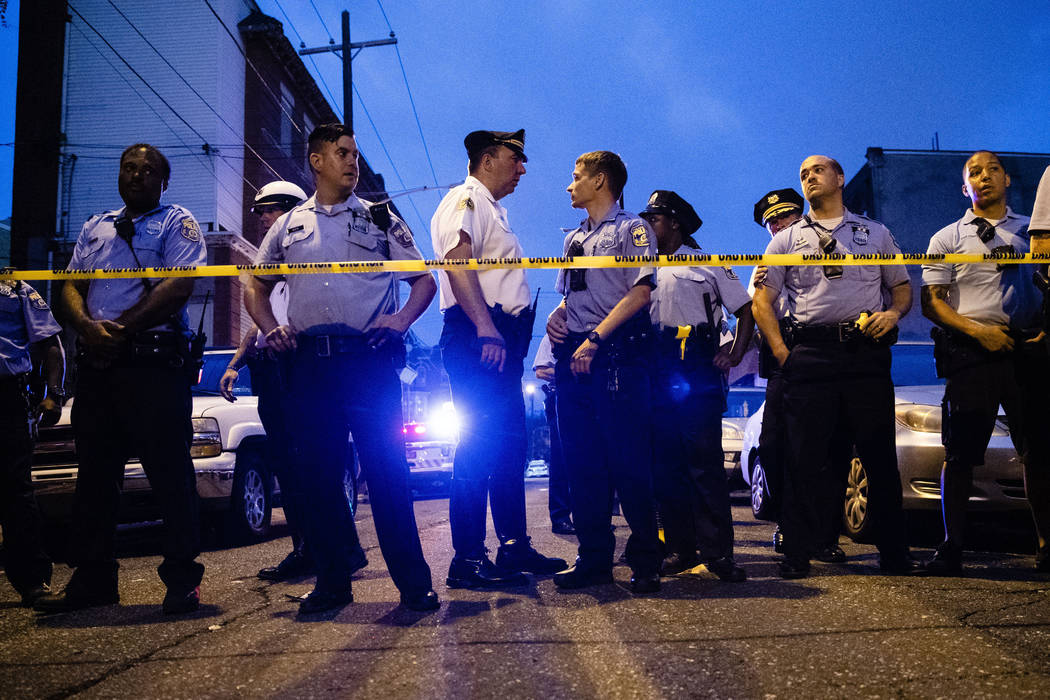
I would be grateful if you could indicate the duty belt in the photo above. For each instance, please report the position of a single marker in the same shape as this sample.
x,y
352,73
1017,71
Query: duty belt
x,y
682,340
328,345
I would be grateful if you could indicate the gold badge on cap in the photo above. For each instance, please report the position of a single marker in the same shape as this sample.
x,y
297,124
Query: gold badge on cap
x,y
639,236
466,203
773,198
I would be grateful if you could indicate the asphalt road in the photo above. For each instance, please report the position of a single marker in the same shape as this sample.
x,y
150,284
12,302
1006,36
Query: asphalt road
x,y
846,632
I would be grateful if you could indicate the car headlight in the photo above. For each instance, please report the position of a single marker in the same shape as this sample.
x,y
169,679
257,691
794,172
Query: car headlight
x,y
919,417
206,439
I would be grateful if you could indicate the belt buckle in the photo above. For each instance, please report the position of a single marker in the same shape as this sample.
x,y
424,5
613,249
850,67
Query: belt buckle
x,y
324,346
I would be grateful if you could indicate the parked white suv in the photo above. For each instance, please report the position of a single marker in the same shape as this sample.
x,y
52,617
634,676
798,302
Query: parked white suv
x,y
228,450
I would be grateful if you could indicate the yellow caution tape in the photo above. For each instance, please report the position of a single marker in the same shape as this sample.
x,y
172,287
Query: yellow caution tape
x,y
548,263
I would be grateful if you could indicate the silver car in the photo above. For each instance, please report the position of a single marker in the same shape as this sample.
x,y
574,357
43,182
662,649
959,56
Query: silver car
x,y
998,485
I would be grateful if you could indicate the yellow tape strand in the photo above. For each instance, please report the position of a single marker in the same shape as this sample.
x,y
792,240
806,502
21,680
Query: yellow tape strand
x,y
576,263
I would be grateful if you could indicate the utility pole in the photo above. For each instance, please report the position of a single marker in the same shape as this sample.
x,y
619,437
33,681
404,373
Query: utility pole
x,y
344,50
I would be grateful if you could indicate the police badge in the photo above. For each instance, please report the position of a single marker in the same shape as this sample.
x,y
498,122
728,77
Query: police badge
x,y
401,234
190,230
640,236
860,234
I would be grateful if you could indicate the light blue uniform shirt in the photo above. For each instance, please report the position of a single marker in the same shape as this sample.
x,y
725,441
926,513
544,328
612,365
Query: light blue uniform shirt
x,y
983,292
165,237
678,299
24,319
344,303
814,299
618,233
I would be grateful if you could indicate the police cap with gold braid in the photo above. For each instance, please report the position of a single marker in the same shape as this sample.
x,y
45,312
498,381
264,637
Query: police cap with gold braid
x,y
775,203
477,141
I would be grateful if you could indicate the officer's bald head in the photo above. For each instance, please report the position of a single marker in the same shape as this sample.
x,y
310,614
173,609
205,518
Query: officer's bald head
x,y
154,154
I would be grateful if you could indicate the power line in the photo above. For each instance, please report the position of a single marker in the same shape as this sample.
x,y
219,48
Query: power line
x,y
262,81
411,100
200,158
195,92
319,17
317,71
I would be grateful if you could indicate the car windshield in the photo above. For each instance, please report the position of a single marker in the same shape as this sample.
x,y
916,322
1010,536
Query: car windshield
x,y
215,364
913,365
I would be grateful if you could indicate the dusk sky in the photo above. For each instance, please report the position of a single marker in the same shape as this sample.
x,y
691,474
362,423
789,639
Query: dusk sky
x,y
719,101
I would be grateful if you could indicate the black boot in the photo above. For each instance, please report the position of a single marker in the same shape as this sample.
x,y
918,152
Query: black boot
x,y
519,555
481,573
292,566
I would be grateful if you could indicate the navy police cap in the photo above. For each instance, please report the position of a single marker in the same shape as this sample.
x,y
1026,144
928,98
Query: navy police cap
x,y
669,203
478,141
776,203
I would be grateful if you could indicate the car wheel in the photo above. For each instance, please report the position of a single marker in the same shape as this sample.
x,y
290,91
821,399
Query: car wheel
x,y
251,502
761,499
855,512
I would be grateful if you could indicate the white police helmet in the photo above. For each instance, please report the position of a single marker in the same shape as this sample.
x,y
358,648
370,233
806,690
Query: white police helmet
x,y
279,194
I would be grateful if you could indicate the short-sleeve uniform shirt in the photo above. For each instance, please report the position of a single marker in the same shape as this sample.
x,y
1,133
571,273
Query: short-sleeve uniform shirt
x,y
618,233
25,318
814,298
338,303
683,295
471,208
165,237
986,292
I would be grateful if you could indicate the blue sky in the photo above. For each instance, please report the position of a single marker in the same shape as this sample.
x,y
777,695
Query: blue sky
x,y
719,101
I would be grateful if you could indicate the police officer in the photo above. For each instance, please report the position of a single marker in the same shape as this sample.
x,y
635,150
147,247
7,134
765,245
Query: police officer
x,y
689,393
775,211
485,337
28,339
834,350
989,349
345,335
603,342
267,377
133,334
558,480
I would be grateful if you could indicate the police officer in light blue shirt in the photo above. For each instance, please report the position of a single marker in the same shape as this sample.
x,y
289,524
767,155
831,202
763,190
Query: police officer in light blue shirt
x,y
133,339
344,334
603,342
989,348
28,331
834,349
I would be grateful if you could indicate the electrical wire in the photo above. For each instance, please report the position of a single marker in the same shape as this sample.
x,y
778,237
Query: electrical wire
x,y
317,71
331,40
195,92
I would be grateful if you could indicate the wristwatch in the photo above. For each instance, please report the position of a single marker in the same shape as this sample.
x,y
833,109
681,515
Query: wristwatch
x,y
594,337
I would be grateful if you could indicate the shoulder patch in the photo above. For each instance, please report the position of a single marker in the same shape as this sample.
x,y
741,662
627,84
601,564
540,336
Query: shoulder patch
x,y
730,274
36,300
190,230
465,203
401,234
640,236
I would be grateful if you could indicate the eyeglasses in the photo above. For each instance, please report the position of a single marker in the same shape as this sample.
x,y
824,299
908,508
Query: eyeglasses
x,y
577,278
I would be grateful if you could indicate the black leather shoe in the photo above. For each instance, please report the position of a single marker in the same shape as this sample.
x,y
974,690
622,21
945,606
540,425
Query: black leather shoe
x,y
946,561
676,563
645,583
563,527
34,594
520,555
292,566
481,573
323,601
575,577
832,554
181,601
66,601
727,570
793,569
421,602
899,565
778,541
